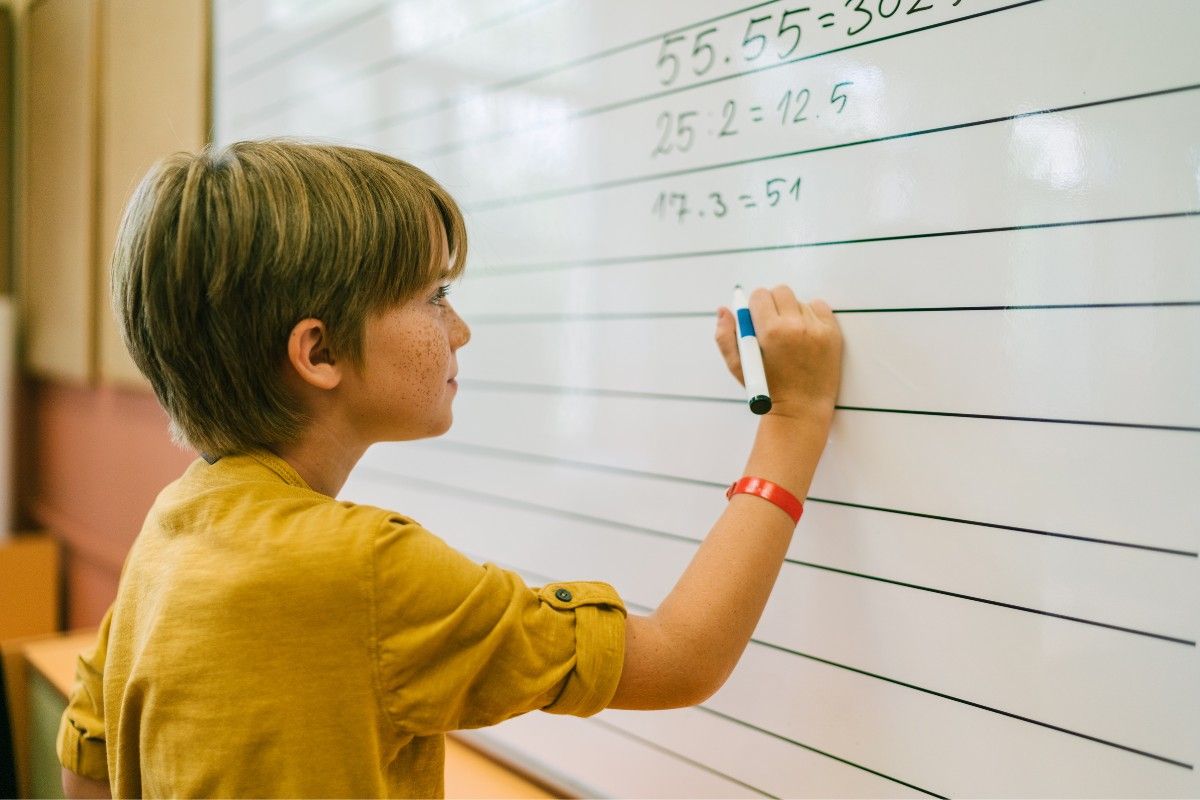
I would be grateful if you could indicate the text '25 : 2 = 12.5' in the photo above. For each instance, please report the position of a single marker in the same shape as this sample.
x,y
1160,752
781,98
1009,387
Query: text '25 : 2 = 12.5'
x,y
677,130
772,38
681,206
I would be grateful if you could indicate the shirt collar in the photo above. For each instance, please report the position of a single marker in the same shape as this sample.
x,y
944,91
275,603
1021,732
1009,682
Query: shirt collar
x,y
265,458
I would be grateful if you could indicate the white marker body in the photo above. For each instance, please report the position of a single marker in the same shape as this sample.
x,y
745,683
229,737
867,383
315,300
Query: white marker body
x,y
753,373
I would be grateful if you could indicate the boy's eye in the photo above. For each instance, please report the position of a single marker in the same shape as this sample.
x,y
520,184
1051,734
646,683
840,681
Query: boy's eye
x,y
440,294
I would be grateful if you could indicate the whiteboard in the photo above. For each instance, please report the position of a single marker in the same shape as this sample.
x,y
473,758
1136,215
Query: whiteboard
x,y
994,591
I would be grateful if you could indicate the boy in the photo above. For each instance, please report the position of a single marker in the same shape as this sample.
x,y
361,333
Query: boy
x,y
288,303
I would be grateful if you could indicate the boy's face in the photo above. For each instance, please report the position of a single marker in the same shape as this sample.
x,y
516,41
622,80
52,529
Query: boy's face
x,y
406,385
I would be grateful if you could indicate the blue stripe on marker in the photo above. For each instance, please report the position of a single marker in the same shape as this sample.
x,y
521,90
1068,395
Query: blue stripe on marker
x,y
745,324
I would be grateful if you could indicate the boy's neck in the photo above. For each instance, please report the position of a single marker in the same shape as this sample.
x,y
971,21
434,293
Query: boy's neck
x,y
322,458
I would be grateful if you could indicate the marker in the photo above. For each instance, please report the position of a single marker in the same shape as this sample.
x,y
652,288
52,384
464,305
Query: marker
x,y
752,366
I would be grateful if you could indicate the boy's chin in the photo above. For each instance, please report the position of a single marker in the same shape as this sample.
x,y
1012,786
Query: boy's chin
x,y
431,432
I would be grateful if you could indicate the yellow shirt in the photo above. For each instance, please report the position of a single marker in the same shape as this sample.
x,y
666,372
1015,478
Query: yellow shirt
x,y
269,641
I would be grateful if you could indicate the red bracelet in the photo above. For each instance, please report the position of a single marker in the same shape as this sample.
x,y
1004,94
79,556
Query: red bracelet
x,y
772,492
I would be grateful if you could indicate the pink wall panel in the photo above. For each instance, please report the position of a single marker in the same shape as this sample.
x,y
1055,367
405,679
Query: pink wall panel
x,y
93,460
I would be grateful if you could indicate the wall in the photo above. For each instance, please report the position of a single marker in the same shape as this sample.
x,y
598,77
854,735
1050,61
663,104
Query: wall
x,y
100,456
89,442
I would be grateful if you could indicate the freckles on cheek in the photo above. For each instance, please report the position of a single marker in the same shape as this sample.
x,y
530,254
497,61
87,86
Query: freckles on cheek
x,y
431,360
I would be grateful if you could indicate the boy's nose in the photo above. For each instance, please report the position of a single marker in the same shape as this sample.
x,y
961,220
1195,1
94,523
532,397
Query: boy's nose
x,y
460,332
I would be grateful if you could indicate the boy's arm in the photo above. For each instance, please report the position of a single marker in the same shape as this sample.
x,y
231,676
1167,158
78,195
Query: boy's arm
x,y
81,746
77,786
683,652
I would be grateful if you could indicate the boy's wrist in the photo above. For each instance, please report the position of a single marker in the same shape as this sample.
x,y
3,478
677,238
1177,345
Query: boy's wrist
x,y
788,446
806,411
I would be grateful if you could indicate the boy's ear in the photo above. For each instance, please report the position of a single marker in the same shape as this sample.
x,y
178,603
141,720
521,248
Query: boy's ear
x,y
310,355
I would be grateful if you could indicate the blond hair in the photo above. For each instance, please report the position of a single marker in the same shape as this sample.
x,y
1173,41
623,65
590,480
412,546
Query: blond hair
x,y
221,253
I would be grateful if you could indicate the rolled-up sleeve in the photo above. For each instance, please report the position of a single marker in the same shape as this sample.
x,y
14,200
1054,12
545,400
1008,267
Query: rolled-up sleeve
x,y
599,644
462,645
81,741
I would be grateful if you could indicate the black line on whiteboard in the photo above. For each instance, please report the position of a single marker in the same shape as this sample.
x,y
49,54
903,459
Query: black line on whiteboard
x,y
516,455
1014,528
415,113
299,46
1027,307
552,194
545,579
865,673
507,319
810,748
667,751
1161,636
266,109
505,270
509,502
981,706
603,109
619,316
1145,426
542,388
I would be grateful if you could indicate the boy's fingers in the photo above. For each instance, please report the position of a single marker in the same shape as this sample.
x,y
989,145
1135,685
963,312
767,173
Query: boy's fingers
x,y
726,338
762,306
821,313
785,300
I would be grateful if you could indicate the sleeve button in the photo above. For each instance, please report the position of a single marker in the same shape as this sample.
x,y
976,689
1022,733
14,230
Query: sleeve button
x,y
564,595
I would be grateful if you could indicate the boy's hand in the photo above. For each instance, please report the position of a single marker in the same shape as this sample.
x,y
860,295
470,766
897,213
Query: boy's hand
x,y
801,345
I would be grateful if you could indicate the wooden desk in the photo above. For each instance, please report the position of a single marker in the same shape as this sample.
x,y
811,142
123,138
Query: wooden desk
x,y
469,773
50,672
54,658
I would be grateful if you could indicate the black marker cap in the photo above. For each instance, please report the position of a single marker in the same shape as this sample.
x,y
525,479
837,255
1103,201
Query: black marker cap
x,y
760,404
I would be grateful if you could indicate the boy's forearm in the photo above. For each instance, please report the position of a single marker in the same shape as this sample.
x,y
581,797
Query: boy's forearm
x,y
715,606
